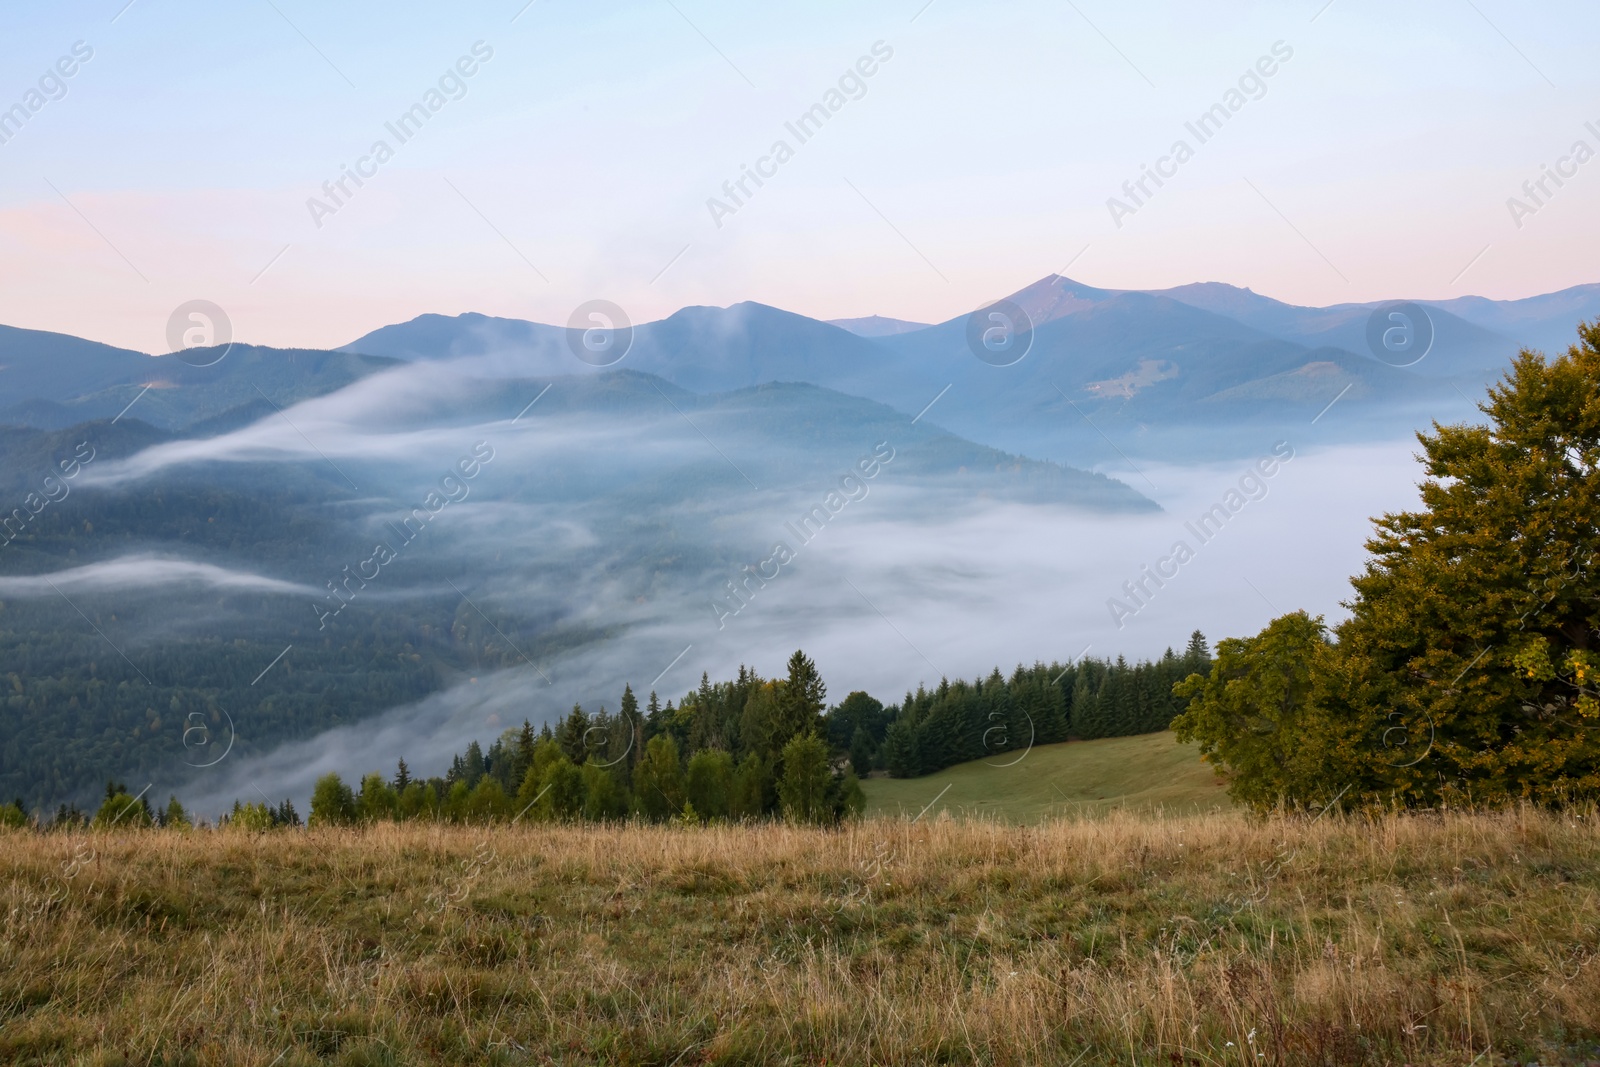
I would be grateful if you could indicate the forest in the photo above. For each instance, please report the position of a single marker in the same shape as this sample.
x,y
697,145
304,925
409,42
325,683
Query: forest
x,y
749,747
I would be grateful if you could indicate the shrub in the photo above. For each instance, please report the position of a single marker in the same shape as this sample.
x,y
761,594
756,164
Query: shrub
x,y
332,803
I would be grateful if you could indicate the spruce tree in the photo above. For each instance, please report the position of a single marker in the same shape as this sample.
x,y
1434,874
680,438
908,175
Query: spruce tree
x,y
175,816
652,718
802,701
525,742
1086,719
572,735
1050,718
761,725
473,766
631,731
900,753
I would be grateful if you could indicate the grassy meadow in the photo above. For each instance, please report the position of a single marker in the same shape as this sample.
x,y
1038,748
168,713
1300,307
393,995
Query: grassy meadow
x,y
1147,772
1211,938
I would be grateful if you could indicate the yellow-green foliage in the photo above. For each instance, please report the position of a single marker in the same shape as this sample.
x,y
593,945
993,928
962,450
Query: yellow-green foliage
x,y
254,818
121,811
1214,939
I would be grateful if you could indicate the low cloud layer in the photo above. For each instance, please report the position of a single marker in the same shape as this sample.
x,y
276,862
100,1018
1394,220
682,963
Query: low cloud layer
x,y
146,573
904,587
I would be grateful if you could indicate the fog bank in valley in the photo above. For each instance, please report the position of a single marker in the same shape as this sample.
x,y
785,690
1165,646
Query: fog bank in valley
x,y
907,583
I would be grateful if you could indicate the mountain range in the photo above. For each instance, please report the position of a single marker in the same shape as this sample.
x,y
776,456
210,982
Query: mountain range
x,y
1206,368
214,562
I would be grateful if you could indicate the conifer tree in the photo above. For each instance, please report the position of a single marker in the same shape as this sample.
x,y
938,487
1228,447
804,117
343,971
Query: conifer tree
x,y
286,815
631,731
900,754
802,700
473,766
525,742
175,816
572,735
652,717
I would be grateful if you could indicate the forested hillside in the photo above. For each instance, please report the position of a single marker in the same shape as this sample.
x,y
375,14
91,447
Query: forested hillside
x,y
751,747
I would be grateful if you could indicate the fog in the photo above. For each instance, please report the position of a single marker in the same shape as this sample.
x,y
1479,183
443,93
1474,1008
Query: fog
x,y
608,525
144,573
908,584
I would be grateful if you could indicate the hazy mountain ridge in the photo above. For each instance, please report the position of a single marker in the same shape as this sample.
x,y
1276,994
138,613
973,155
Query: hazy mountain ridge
x,y
1194,363
1232,365
165,391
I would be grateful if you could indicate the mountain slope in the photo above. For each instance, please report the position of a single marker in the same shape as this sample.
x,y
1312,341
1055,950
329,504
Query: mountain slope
x,y
56,367
165,391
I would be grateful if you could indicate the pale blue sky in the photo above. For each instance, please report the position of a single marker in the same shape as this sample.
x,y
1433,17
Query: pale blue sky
x,y
1377,163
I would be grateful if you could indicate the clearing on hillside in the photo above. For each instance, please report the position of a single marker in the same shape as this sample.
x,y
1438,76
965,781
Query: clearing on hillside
x,y
1051,781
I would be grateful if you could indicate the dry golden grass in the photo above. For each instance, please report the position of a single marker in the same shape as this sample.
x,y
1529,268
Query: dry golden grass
x,y
1205,939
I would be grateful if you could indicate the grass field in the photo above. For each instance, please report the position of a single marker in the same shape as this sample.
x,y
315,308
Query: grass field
x,y
1181,941
1150,772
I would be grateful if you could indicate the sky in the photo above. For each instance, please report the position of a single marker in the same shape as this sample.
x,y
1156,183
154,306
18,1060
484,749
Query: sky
x,y
580,158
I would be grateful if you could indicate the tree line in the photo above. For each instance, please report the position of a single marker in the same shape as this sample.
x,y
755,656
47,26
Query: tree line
x,y
747,748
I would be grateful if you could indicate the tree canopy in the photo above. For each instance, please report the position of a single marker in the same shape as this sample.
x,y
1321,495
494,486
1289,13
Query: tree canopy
x,y
1466,671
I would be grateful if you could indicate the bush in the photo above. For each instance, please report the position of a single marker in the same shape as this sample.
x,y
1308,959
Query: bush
x,y
561,786
805,790
754,792
604,797
121,811
332,802
378,799
658,780
255,817
708,783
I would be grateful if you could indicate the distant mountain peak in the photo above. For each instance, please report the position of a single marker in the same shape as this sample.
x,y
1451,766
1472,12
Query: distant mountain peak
x,y
878,326
1055,296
